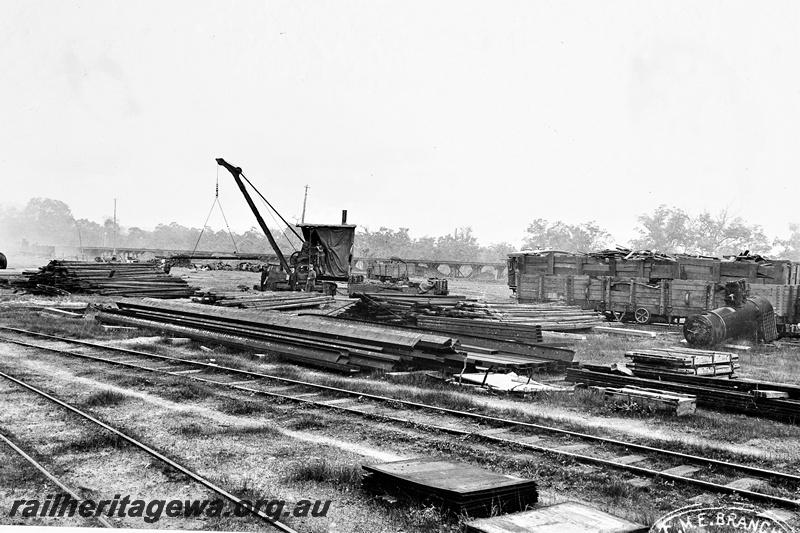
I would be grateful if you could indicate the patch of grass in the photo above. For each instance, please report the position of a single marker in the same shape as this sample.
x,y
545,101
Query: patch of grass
x,y
237,407
308,421
262,430
322,470
180,391
92,442
194,430
17,472
104,398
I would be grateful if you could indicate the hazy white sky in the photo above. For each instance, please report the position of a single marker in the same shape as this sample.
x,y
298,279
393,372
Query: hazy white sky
x,y
429,115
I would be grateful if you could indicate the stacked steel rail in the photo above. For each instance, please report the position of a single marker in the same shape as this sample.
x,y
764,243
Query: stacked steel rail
x,y
736,395
108,279
340,345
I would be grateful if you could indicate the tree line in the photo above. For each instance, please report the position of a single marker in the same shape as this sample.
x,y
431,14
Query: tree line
x,y
44,221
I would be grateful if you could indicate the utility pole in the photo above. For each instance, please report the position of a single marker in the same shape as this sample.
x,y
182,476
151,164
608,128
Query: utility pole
x,y
303,216
114,253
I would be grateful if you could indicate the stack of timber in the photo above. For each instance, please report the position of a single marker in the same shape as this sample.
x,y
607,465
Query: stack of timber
x,y
550,317
262,300
315,340
404,308
683,361
654,399
108,279
458,488
720,393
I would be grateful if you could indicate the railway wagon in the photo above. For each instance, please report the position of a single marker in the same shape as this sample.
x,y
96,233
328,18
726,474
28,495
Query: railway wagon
x,y
650,290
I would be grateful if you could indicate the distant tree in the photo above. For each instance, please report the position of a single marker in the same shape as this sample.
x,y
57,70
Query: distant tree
x,y
790,248
49,222
461,246
666,229
497,253
672,230
724,234
584,237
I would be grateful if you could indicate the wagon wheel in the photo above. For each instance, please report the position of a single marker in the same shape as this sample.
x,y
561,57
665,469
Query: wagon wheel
x,y
617,316
642,316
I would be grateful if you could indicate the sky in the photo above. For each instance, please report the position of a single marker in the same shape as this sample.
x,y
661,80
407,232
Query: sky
x,y
430,115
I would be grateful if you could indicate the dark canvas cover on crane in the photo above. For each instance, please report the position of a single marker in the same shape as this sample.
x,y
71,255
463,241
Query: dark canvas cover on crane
x,y
337,243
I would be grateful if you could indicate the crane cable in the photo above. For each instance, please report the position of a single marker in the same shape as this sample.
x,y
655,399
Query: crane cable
x,y
216,202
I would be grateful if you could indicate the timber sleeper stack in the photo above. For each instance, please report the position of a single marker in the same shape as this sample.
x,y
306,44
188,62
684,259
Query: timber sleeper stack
x,y
108,279
262,300
683,361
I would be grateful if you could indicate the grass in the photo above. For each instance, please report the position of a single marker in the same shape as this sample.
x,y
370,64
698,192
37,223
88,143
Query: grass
x,y
104,398
180,391
99,440
323,470
240,407
308,421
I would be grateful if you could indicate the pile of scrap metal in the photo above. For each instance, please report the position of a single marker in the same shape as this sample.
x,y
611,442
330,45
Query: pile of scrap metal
x,y
109,279
628,254
759,398
341,345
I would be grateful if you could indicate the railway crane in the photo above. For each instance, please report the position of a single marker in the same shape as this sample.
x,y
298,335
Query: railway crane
x,y
326,247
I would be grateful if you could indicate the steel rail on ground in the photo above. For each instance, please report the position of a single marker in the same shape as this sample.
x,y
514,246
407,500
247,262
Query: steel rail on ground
x,y
759,472
51,477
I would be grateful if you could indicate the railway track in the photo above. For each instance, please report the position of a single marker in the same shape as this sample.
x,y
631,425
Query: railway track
x,y
644,463
280,526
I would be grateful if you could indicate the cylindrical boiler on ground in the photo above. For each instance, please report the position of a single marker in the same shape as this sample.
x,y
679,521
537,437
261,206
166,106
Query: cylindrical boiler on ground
x,y
754,320
3,261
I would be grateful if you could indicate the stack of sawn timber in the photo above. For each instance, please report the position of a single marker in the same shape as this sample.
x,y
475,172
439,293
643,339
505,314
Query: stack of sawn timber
x,y
737,395
336,344
404,307
459,488
684,361
261,300
109,279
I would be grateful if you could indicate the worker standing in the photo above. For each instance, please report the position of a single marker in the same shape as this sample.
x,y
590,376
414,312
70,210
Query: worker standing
x,y
311,280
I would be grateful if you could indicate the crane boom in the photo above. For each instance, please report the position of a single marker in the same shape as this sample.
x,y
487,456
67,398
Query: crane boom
x,y
237,173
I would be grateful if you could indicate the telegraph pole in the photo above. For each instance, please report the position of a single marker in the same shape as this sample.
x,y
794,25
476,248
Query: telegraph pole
x,y
114,253
303,216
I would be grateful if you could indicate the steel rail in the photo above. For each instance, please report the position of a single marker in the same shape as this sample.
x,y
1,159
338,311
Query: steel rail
x,y
51,477
177,466
759,472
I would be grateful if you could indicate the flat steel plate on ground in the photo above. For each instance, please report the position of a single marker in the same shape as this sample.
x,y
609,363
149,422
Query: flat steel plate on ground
x,y
458,487
569,517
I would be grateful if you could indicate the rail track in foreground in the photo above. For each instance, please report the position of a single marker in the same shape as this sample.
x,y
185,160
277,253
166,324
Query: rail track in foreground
x,y
280,526
645,463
